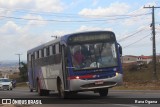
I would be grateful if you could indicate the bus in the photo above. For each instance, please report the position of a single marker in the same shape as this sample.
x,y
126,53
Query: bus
x,y
84,61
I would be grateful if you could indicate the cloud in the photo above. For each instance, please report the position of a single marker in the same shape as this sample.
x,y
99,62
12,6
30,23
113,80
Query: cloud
x,y
19,39
140,16
112,9
4,12
10,4
49,5
10,28
37,22
36,5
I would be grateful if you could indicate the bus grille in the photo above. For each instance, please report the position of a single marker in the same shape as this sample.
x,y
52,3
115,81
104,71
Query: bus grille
x,y
92,85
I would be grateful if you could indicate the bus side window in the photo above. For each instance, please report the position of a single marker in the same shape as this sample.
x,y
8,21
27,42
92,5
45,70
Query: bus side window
x,y
37,54
53,49
47,51
42,53
60,48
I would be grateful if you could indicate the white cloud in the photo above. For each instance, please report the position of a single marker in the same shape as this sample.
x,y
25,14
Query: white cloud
x,y
37,22
4,12
15,39
11,4
49,5
10,28
150,4
139,17
113,9
37,5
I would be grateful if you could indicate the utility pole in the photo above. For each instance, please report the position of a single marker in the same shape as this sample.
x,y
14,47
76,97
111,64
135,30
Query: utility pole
x,y
154,43
19,56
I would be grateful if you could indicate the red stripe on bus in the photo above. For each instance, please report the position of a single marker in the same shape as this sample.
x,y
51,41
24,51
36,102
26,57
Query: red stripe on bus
x,y
80,77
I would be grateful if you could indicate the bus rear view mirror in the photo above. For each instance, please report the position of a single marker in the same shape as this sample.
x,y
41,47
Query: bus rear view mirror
x,y
65,51
120,49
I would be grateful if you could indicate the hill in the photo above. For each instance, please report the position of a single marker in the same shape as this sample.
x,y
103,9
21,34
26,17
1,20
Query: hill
x,y
140,79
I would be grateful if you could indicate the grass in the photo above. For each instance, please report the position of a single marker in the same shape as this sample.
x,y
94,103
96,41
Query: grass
x,y
22,84
141,79
142,75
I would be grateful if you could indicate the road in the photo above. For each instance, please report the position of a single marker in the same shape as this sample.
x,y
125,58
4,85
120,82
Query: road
x,y
86,99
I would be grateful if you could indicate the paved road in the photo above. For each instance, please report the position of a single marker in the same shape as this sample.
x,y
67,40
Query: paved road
x,y
87,99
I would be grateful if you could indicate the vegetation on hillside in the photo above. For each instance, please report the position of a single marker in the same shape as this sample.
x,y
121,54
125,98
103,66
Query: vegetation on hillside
x,y
23,72
140,78
134,73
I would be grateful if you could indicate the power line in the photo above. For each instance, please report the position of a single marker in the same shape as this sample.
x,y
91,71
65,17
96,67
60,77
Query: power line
x,y
54,20
122,39
136,41
68,14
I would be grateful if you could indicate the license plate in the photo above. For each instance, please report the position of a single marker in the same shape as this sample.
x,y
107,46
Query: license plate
x,y
98,82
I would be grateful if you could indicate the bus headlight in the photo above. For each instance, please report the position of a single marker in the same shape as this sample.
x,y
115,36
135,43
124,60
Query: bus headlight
x,y
77,77
117,74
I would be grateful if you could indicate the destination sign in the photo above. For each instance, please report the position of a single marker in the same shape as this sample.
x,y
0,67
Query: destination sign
x,y
91,37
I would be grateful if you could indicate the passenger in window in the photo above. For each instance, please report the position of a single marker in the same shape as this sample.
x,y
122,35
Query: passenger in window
x,y
85,52
79,57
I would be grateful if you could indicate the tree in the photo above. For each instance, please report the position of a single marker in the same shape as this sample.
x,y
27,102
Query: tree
x,y
23,71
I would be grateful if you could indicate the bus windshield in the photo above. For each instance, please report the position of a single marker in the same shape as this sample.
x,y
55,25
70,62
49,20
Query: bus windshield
x,y
93,55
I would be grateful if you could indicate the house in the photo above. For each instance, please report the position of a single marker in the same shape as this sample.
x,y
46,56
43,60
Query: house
x,y
144,59
128,60
158,58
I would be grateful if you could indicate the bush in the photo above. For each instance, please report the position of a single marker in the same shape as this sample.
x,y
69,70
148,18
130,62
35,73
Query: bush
x,y
23,72
133,67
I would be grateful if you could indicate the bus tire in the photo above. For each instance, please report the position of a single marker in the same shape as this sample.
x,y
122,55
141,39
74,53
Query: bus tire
x,y
61,92
31,90
41,92
46,92
103,92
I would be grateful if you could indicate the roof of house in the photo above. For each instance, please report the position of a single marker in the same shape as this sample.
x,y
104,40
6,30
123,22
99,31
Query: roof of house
x,y
142,56
130,56
145,57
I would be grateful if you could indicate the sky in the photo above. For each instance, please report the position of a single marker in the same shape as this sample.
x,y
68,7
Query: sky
x,y
25,24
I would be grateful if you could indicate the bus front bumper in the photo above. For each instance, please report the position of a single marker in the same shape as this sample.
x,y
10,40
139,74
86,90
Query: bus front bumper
x,y
82,85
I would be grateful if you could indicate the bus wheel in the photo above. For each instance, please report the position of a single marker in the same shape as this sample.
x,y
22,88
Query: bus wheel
x,y
31,90
40,91
61,92
46,92
103,92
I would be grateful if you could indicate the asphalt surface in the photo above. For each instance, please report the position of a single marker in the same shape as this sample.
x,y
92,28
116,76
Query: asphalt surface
x,y
115,98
